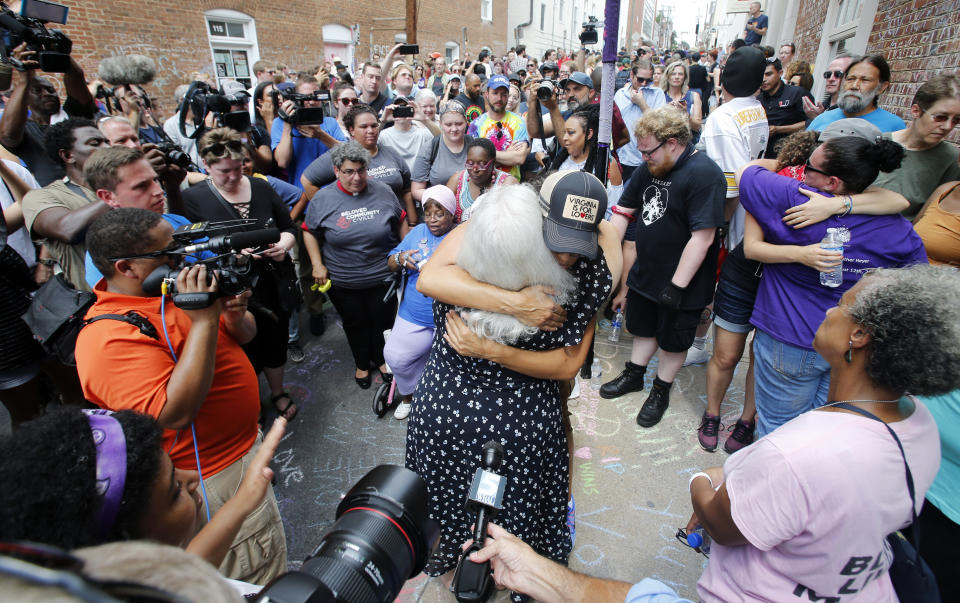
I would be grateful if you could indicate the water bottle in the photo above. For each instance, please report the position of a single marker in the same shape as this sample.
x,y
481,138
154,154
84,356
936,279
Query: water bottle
x,y
700,540
832,242
596,375
423,252
615,327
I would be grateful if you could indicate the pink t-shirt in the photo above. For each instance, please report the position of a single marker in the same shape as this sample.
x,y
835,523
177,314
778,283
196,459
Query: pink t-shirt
x,y
816,499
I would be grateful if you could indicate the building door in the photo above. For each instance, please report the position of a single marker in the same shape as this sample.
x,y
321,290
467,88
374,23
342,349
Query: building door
x,y
338,42
233,45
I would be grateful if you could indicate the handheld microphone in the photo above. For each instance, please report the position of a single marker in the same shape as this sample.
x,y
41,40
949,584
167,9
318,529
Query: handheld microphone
x,y
473,581
235,242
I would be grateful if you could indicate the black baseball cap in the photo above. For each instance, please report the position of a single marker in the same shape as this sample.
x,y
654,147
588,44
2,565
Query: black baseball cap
x,y
573,204
743,73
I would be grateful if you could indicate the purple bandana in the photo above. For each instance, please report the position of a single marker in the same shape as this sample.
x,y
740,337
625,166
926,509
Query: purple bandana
x,y
111,466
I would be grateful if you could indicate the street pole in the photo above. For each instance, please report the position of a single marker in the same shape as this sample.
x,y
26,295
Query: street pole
x,y
611,28
411,21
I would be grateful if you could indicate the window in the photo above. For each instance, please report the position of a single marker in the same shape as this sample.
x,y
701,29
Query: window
x,y
486,10
848,13
233,44
543,15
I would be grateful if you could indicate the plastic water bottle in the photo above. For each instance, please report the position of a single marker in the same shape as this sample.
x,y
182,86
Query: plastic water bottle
x,y
596,375
423,253
832,242
699,539
615,327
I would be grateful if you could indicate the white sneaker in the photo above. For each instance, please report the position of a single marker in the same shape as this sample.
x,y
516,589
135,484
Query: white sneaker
x,y
575,392
695,356
402,412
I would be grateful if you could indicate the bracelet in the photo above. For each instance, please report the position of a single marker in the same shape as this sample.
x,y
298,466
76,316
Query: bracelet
x,y
696,475
396,260
848,204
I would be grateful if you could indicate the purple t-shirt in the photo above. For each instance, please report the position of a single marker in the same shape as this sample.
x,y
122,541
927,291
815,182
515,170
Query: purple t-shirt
x,y
791,302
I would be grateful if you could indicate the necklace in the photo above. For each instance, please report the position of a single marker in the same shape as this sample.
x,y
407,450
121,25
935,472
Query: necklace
x,y
852,401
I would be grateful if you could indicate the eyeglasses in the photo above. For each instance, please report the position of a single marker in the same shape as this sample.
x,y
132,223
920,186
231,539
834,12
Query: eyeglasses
x,y
219,149
832,74
644,80
808,167
682,537
351,172
483,165
349,101
435,216
649,154
942,118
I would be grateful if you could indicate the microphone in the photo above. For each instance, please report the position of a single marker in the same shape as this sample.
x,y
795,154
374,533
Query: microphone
x,y
474,581
128,69
235,242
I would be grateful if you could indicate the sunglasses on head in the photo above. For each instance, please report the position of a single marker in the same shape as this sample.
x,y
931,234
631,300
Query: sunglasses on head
x,y
832,74
219,149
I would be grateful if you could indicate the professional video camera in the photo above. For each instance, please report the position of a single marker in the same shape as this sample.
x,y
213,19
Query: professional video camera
x,y
218,246
589,34
303,115
51,45
201,99
381,539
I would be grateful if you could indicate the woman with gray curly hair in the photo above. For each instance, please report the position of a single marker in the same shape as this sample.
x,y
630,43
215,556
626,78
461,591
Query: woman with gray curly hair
x,y
806,510
351,227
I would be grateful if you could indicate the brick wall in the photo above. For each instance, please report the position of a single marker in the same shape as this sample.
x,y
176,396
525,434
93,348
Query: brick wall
x,y
174,34
810,17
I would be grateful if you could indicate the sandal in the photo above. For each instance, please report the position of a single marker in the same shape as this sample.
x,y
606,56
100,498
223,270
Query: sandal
x,y
288,412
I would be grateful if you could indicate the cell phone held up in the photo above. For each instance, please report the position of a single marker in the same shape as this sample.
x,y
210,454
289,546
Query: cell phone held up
x,y
409,49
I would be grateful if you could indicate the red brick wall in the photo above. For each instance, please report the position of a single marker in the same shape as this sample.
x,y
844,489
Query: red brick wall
x,y
174,34
810,18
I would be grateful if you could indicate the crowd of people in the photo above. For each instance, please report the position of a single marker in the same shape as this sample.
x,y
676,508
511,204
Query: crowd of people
x,y
471,231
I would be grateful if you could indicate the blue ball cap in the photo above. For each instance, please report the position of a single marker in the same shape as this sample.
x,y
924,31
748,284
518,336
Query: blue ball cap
x,y
498,81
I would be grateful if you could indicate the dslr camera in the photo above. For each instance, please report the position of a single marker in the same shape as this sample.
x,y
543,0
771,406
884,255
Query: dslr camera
x,y
547,89
589,35
218,245
201,99
302,115
51,45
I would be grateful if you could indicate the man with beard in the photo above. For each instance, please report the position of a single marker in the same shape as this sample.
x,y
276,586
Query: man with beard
x,y
864,81
833,77
679,193
578,88
471,99
504,128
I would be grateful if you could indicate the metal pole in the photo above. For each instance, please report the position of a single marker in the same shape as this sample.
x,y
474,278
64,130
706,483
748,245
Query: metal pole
x,y
611,28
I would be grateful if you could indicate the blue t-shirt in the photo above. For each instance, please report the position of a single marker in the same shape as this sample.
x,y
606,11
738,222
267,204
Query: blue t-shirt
x,y
93,275
883,119
791,303
944,493
752,36
305,149
417,307
287,192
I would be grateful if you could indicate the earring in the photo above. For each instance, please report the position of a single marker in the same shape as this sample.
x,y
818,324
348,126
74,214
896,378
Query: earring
x,y
848,355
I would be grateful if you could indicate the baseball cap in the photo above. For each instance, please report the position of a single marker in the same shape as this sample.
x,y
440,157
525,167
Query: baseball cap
x,y
743,72
851,126
232,87
498,81
549,66
577,77
515,77
573,203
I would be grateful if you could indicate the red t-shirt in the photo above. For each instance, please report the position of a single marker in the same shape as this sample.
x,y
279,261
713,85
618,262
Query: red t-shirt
x,y
122,369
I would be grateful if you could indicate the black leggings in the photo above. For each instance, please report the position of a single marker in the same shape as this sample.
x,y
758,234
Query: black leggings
x,y
365,317
938,546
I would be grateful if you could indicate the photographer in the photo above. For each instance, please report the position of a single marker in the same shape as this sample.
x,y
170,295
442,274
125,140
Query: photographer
x,y
193,377
295,147
578,88
23,135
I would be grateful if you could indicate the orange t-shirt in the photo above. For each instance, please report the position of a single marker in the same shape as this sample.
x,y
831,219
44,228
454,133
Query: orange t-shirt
x,y
123,369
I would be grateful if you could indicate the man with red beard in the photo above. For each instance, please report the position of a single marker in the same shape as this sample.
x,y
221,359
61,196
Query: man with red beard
x,y
679,193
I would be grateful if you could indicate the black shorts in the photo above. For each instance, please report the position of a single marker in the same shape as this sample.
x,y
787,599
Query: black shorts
x,y
674,331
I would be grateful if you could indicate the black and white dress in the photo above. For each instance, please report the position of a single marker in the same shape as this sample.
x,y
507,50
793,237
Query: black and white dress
x,y
461,403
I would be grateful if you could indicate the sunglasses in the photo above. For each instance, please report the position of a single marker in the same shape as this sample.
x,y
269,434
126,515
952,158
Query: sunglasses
x,y
810,168
219,149
649,154
644,80
349,101
832,74
499,126
942,118
682,537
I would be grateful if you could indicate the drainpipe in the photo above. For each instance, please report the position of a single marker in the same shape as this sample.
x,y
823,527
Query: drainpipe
x,y
516,30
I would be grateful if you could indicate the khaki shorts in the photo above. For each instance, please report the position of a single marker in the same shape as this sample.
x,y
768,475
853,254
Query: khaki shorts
x,y
259,552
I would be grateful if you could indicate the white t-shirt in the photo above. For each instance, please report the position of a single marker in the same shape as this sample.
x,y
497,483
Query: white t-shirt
x,y
816,499
406,144
20,238
736,133
189,145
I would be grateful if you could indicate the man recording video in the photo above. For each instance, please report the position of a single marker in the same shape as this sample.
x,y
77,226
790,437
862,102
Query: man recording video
x,y
23,135
185,368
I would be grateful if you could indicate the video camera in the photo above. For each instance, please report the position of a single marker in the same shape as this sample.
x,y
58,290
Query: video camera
x,y
381,539
51,45
218,246
303,115
589,34
201,99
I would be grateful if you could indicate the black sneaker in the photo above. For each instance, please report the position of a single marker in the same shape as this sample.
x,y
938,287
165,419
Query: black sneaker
x,y
630,380
652,410
295,352
318,325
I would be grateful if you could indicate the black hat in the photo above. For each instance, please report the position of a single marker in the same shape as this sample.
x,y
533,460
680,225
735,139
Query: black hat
x,y
743,73
573,203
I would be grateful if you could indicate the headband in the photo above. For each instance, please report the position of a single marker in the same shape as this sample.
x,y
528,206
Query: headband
x,y
111,448
452,106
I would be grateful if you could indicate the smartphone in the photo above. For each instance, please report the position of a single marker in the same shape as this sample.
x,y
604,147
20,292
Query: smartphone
x,y
406,111
48,12
409,49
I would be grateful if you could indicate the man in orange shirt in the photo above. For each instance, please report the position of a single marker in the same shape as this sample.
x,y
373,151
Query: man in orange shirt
x,y
185,368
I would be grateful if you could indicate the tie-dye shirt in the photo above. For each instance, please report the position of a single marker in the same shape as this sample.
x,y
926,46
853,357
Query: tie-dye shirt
x,y
502,134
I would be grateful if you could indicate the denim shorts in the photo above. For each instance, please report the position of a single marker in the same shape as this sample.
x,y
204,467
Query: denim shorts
x,y
732,307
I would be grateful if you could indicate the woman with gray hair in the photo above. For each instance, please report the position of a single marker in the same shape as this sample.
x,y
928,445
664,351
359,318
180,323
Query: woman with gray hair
x,y
352,225
807,509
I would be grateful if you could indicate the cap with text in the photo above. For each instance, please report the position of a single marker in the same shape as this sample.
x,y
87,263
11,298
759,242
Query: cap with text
x,y
573,204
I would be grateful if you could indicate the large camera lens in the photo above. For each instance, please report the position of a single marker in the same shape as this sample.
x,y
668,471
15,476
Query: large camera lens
x,y
381,539
545,90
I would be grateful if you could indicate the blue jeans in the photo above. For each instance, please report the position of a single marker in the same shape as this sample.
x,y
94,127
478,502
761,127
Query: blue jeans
x,y
789,381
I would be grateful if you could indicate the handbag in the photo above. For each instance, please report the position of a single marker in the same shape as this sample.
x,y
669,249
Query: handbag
x,y
912,578
56,316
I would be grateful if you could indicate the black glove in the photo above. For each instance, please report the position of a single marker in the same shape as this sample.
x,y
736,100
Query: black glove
x,y
669,298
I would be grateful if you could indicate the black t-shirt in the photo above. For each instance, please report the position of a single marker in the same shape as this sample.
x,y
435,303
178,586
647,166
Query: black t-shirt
x,y
783,109
740,271
201,204
698,77
31,148
689,198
